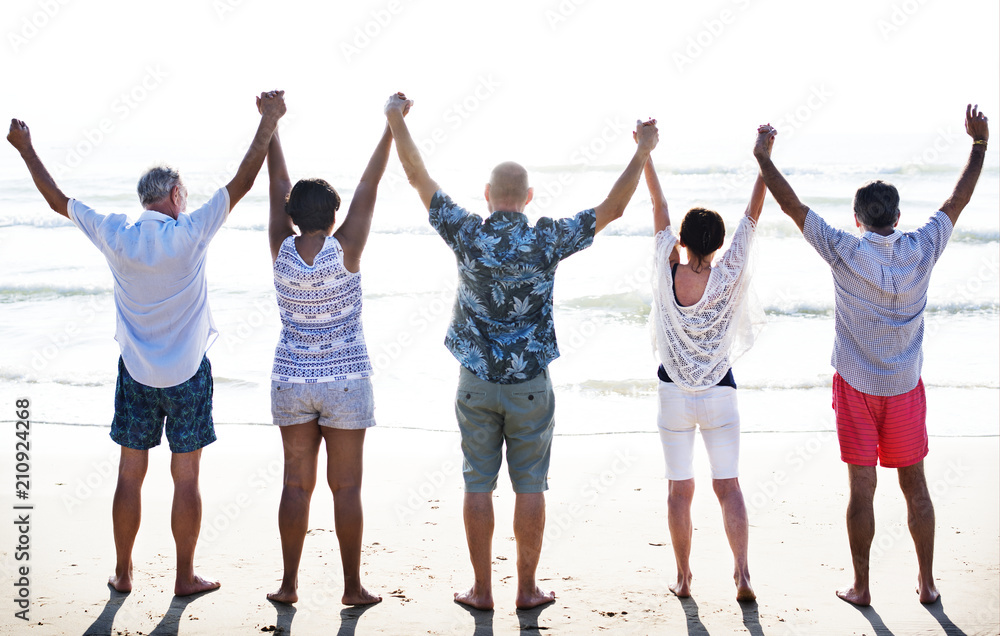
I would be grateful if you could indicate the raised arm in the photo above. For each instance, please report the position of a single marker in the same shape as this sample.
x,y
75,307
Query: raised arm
x,y
353,232
661,215
775,182
406,148
20,137
279,224
272,107
759,188
621,193
976,126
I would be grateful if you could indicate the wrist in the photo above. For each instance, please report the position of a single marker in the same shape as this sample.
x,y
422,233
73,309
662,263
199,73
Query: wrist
x,y
979,142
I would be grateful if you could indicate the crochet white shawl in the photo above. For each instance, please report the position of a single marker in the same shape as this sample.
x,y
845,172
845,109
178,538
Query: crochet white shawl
x,y
698,344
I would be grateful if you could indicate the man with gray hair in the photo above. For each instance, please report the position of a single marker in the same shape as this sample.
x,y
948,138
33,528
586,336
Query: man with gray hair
x,y
164,328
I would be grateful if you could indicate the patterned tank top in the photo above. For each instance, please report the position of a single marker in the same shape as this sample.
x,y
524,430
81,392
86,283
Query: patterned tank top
x,y
320,307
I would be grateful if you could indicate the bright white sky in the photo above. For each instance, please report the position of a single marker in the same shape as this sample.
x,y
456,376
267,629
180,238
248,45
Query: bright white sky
x,y
538,79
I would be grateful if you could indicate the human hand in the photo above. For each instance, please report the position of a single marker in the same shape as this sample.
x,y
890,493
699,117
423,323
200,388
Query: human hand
x,y
19,135
646,134
398,102
272,104
765,140
975,123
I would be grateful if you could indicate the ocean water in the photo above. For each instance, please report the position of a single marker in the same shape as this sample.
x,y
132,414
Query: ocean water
x,y
57,314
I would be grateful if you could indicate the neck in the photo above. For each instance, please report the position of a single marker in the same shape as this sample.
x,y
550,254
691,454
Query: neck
x,y
881,231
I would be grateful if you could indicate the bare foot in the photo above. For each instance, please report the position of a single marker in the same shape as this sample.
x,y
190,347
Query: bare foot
x,y
929,594
360,597
121,582
856,596
474,599
744,592
283,595
198,585
682,588
534,598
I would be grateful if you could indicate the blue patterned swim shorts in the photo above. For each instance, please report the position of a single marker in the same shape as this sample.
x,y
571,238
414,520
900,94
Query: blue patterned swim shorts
x,y
142,412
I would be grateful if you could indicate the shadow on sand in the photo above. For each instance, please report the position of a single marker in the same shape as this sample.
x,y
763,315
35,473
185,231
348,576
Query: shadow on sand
x,y
694,624
169,625
936,610
528,619
483,620
103,624
751,618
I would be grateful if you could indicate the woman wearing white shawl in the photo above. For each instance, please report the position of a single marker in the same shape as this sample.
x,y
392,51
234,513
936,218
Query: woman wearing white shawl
x,y
704,317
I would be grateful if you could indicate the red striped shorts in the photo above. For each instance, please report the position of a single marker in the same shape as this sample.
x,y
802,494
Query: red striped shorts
x,y
891,429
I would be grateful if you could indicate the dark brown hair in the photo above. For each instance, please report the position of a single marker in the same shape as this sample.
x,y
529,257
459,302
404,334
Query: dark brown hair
x,y
702,231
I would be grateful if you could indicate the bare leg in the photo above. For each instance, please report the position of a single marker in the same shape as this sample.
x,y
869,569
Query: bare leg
x,y
734,517
185,522
920,518
300,443
126,512
860,531
478,514
529,529
344,450
679,498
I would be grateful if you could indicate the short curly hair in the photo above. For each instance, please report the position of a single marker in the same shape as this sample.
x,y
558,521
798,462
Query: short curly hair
x,y
876,204
313,205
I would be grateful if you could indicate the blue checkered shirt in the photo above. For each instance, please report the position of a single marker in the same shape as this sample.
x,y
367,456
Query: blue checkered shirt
x,y
880,283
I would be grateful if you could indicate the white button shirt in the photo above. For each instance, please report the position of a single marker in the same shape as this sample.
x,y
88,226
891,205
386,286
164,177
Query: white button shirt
x,y
164,324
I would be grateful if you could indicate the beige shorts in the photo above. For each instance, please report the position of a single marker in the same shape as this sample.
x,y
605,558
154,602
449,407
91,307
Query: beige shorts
x,y
520,416
347,404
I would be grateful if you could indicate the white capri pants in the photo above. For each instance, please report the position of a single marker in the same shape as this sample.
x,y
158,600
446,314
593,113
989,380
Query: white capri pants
x,y
714,411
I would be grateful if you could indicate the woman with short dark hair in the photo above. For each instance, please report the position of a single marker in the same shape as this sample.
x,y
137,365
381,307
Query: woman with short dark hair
x,y
703,319
321,389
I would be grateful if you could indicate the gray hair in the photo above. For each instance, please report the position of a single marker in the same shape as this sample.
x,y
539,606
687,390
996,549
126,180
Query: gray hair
x,y
156,184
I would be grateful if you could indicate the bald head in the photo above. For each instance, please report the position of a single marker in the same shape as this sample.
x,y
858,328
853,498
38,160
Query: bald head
x,y
508,187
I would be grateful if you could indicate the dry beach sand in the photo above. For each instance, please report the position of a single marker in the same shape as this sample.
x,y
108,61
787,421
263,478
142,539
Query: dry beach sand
x,y
607,552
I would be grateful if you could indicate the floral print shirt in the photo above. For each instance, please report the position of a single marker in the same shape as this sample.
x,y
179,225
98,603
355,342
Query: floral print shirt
x,y
501,327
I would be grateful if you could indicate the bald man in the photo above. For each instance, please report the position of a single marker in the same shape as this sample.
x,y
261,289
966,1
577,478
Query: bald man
x,y
502,334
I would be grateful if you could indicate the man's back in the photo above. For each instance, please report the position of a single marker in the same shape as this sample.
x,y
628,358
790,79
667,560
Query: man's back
x,y
881,291
164,324
502,326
